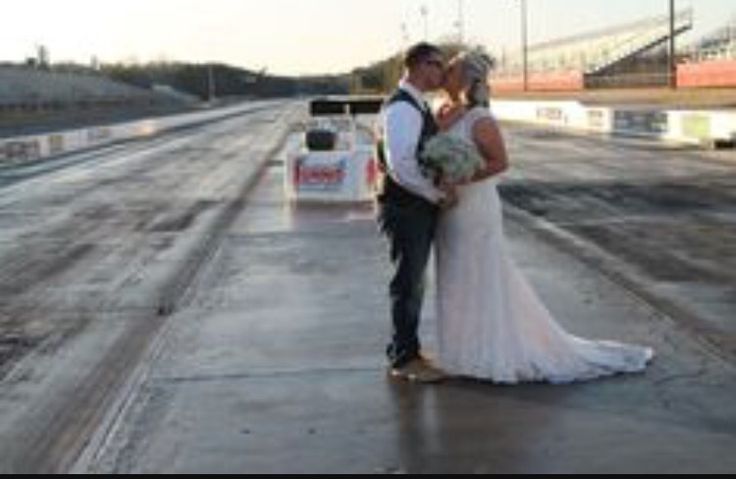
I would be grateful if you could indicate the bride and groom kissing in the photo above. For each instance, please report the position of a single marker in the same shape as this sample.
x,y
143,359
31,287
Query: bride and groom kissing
x,y
491,324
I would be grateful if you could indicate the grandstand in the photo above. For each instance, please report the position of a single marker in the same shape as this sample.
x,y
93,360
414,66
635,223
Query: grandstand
x,y
718,45
633,54
34,100
711,61
24,88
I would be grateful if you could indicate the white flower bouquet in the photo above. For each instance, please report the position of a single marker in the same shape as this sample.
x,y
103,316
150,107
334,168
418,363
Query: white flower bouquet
x,y
450,157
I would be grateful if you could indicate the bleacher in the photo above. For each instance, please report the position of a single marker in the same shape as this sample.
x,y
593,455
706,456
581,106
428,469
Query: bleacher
x,y
594,51
31,89
711,60
717,45
587,57
34,100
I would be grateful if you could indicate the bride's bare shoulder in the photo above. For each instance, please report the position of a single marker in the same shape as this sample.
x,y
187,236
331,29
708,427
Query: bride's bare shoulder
x,y
449,114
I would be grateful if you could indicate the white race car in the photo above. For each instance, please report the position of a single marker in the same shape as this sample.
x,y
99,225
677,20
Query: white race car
x,y
335,161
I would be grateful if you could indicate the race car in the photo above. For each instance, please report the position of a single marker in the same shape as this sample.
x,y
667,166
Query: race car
x,y
335,161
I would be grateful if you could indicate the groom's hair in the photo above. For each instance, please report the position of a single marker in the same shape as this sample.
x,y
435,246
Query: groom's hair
x,y
418,53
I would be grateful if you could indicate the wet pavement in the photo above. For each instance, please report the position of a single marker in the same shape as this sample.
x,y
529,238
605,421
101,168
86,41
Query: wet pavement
x,y
664,217
159,314
275,366
97,249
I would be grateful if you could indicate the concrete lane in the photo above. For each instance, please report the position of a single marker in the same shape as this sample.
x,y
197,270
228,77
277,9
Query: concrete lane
x,y
660,219
276,366
94,257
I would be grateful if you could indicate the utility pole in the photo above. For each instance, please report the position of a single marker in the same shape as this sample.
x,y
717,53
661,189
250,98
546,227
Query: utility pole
x,y
524,45
672,60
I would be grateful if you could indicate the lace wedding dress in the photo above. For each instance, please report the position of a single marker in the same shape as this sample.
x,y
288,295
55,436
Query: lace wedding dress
x,y
491,323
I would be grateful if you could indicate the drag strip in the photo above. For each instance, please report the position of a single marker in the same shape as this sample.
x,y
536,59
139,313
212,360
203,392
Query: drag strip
x,y
96,255
11,174
660,219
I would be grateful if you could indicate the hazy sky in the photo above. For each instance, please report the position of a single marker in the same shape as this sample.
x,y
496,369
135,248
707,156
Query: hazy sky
x,y
301,36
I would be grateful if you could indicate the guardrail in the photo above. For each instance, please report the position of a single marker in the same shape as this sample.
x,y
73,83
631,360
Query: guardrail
x,y
23,149
711,128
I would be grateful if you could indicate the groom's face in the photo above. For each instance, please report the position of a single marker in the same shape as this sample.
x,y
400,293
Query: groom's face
x,y
453,77
433,68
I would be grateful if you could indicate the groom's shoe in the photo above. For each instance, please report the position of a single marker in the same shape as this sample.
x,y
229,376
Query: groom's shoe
x,y
419,371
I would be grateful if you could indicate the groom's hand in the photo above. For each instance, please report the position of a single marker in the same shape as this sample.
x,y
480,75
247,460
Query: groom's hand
x,y
450,199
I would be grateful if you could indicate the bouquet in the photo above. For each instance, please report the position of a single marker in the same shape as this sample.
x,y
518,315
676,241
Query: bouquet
x,y
449,158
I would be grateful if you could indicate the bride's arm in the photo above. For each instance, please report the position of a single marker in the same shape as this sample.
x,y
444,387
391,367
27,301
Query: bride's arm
x,y
487,137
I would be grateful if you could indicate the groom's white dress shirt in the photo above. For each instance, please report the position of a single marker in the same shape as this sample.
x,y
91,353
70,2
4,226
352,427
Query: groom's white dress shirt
x,y
402,128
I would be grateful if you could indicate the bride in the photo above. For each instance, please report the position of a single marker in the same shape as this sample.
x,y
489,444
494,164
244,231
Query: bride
x,y
491,323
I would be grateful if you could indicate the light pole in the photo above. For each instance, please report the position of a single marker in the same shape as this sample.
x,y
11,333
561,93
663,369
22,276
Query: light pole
x,y
424,11
404,37
460,22
524,45
672,67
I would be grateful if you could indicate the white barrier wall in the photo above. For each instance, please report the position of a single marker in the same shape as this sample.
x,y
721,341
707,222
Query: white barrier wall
x,y
684,126
22,149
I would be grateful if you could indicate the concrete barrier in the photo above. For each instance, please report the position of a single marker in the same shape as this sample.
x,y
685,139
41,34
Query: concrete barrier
x,y
540,81
19,150
705,127
710,73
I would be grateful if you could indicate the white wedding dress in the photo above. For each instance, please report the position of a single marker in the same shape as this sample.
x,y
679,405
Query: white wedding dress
x,y
491,323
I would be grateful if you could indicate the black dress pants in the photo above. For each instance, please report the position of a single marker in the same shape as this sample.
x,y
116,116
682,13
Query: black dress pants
x,y
410,229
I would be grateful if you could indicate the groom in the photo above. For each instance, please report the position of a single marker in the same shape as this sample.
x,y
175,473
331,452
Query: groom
x,y
409,205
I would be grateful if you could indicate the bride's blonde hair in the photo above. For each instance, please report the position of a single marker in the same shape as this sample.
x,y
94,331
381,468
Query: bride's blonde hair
x,y
477,66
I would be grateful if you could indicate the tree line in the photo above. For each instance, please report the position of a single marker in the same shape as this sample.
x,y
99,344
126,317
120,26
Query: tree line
x,y
223,80
379,77
382,76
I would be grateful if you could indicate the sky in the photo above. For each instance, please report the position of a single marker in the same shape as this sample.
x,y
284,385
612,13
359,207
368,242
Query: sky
x,y
304,36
